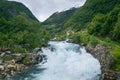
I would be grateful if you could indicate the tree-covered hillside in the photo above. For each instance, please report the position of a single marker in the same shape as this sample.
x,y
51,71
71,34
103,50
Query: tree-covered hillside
x,y
9,9
19,29
85,13
106,25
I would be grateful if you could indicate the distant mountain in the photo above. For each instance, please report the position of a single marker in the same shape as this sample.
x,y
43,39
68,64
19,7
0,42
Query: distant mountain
x,y
55,21
59,17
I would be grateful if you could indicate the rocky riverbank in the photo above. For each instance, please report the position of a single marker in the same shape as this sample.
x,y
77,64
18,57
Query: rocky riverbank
x,y
11,64
102,53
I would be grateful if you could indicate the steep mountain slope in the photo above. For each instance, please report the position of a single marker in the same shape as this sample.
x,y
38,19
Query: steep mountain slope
x,y
85,13
106,25
20,31
9,9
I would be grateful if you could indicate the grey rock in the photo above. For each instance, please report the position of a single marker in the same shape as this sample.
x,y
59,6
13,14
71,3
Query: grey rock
x,y
102,53
36,50
118,76
2,54
1,67
1,62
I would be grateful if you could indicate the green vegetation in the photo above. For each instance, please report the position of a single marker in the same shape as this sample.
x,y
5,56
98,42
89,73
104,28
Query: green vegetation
x,y
9,9
106,25
116,54
22,34
19,30
85,14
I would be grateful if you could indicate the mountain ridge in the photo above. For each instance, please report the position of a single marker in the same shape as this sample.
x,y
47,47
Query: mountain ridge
x,y
9,9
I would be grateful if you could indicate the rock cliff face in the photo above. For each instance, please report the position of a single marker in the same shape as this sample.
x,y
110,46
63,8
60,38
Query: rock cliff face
x,y
103,55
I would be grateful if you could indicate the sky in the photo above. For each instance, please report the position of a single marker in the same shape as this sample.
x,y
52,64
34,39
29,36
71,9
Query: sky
x,y
42,9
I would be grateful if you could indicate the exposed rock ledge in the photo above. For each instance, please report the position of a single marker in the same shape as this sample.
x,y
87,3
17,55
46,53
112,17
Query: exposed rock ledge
x,y
16,63
103,55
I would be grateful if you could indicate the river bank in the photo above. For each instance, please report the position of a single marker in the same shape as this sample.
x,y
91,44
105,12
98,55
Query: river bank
x,y
102,53
13,63
19,62
103,49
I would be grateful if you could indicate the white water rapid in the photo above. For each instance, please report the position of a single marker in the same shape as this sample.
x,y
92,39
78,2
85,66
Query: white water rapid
x,y
65,61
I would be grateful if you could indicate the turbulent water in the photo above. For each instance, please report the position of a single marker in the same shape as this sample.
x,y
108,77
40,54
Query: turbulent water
x,y
65,61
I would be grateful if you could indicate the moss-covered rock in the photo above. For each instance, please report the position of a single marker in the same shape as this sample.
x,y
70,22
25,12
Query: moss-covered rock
x,y
26,61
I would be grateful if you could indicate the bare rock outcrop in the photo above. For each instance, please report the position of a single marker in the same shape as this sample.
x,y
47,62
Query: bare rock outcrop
x,y
102,53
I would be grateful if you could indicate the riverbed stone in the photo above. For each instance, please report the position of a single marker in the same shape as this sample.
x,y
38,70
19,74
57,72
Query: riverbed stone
x,y
11,64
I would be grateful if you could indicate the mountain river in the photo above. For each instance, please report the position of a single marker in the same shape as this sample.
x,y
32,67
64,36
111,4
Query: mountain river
x,y
64,61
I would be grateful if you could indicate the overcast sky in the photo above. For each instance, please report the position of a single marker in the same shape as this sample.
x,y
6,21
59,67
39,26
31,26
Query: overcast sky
x,y
42,9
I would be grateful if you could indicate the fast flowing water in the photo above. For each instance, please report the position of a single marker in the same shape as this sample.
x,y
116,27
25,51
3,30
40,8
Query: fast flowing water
x,y
65,61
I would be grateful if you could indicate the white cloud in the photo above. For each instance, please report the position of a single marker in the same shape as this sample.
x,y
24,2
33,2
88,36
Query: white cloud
x,y
42,9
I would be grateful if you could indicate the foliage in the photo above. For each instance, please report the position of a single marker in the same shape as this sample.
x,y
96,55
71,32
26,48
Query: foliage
x,y
9,9
19,29
22,34
106,25
116,31
84,14
116,54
